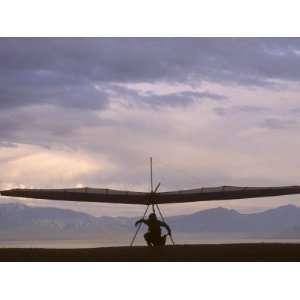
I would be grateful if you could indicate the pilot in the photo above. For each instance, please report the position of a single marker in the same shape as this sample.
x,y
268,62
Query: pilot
x,y
153,236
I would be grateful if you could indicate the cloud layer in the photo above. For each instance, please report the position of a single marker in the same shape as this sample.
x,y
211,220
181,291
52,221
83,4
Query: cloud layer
x,y
90,111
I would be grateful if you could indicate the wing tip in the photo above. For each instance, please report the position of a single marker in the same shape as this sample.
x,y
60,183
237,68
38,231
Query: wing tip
x,y
6,192
2,193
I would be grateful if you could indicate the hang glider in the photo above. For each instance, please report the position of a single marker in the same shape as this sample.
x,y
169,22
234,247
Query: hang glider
x,y
143,198
152,198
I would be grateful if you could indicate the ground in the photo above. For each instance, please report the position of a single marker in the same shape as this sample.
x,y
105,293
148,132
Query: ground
x,y
222,252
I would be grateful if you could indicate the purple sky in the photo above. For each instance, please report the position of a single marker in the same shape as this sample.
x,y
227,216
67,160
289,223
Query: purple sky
x,y
90,112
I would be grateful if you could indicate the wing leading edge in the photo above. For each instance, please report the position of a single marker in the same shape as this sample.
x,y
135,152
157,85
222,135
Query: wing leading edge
x,y
225,193
129,197
81,195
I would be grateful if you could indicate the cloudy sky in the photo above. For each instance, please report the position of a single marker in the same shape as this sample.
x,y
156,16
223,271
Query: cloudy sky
x,y
90,112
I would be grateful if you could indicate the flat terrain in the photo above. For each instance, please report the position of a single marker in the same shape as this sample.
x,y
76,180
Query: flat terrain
x,y
222,252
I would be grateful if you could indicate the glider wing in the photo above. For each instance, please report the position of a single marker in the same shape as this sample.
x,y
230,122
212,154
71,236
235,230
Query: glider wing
x,y
129,197
81,194
224,193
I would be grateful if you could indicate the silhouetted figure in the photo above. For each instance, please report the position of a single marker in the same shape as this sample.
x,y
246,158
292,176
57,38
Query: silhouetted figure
x,y
153,236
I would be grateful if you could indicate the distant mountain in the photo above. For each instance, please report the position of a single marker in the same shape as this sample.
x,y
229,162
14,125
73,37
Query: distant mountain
x,y
23,222
224,220
19,221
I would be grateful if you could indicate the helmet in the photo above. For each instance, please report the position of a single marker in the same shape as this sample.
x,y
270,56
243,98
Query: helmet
x,y
152,216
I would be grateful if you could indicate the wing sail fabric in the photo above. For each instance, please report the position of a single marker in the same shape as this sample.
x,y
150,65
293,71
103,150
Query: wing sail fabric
x,y
225,193
128,197
80,194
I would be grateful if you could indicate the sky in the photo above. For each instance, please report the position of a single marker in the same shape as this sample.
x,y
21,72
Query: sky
x,y
91,111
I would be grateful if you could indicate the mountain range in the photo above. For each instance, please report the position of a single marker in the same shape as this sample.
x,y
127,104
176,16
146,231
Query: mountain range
x,y
21,222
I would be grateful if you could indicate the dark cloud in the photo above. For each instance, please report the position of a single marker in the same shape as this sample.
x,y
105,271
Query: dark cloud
x,y
250,109
221,111
54,123
148,59
64,70
294,111
79,75
34,88
182,98
44,125
236,109
160,100
278,124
